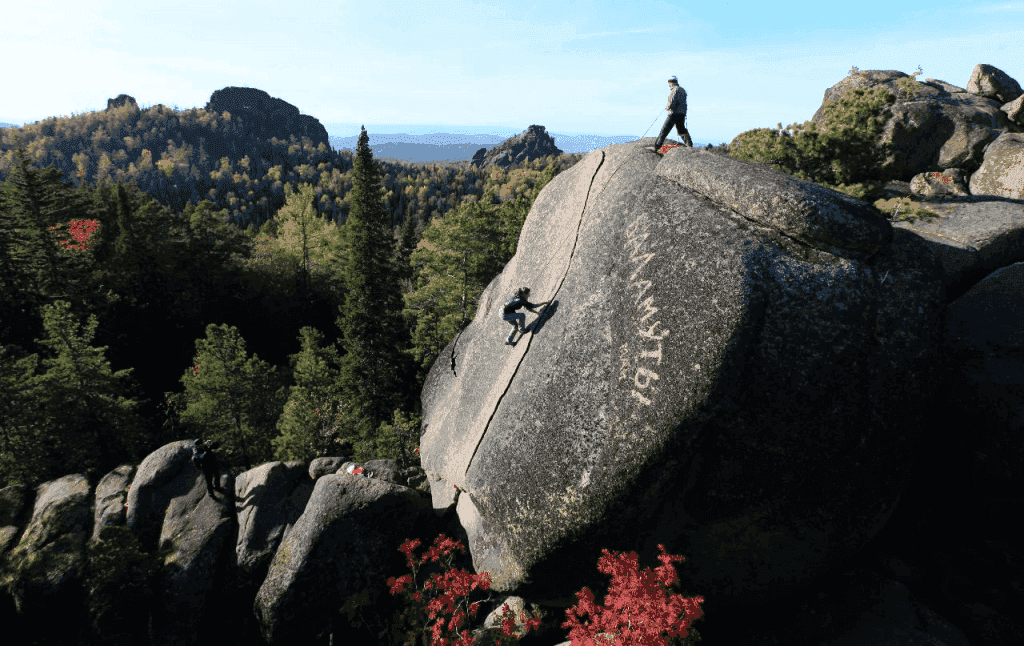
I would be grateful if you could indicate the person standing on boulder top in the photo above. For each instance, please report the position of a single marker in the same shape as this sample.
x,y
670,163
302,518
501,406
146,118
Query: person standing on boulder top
x,y
204,458
509,313
677,115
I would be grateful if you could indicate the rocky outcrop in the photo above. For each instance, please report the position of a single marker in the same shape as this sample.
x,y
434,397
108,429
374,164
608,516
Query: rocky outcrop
x,y
53,548
1002,172
688,284
122,100
939,126
263,116
665,376
532,143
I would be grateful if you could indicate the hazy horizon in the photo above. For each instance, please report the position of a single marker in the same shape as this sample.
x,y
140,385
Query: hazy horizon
x,y
578,68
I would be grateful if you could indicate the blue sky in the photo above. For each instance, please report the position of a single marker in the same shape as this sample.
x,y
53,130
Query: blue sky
x,y
421,66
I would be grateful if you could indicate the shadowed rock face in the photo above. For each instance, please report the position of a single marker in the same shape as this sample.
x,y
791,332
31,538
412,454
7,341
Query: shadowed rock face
x,y
346,534
264,116
735,362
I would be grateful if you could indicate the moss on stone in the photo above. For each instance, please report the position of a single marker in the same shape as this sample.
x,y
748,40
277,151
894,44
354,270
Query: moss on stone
x,y
842,152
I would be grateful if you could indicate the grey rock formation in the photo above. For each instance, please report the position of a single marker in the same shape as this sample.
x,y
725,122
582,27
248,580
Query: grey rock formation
x,y
122,100
532,143
269,500
111,499
1001,174
614,354
263,116
689,284
941,125
343,542
55,541
168,502
948,183
993,83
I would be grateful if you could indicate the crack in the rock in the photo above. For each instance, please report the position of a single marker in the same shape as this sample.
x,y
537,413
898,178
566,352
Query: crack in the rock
x,y
579,225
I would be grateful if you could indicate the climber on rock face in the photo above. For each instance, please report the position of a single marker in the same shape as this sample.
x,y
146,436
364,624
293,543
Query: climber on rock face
x,y
517,319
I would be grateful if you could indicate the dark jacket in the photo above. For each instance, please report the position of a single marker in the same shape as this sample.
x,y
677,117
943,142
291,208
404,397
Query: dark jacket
x,y
204,459
677,100
515,303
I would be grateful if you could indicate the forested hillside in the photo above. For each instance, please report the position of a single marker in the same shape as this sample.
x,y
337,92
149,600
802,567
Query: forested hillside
x,y
163,278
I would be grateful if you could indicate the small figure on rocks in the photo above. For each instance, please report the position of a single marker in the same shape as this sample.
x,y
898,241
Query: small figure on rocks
x,y
517,319
204,458
677,115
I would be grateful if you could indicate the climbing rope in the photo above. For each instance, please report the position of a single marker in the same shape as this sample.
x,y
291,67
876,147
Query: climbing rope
x,y
569,234
574,232
632,153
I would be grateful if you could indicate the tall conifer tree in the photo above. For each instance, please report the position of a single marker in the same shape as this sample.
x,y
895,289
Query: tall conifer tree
x,y
235,398
374,369
35,270
78,415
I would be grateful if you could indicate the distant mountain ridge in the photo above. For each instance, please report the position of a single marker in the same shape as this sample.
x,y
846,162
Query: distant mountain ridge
x,y
443,146
453,147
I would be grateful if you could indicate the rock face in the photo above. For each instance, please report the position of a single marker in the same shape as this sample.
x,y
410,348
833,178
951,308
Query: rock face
x,y
532,143
1002,172
122,100
264,116
702,307
940,126
346,515
56,535
993,83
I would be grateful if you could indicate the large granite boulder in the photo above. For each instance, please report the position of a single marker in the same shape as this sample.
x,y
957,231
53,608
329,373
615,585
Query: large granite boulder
x,y
532,143
993,83
173,516
111,506
939,126
51,554
345,541
701,378
1002,173
269,501
263,116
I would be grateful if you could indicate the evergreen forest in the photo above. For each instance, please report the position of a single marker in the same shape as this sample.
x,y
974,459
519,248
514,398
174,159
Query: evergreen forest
x,y
163,277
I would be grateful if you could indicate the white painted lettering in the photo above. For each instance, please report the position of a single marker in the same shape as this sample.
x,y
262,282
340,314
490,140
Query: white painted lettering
x,y
645,285
649,309
650,334
643,400
646,258
653,354
647,374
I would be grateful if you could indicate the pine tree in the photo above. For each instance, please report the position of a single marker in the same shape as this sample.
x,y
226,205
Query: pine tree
x,y
75,417
305,238
374,370
35,269
463,251
236,400
129,255
314,411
